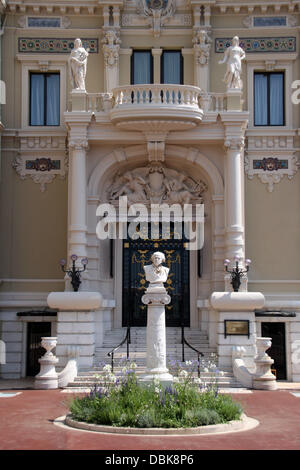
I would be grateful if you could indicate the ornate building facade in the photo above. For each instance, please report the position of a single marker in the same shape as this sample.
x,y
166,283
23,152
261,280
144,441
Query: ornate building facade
x,y
178,101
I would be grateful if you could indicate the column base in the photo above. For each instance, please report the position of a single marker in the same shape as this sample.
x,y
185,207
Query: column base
x,y
45,383
164,377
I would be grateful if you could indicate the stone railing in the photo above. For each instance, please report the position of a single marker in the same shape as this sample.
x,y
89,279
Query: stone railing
x,y
213,102
157,95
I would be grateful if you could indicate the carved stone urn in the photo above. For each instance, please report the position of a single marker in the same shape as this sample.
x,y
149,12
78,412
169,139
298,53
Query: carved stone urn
x,y
263,378
48,343
47,378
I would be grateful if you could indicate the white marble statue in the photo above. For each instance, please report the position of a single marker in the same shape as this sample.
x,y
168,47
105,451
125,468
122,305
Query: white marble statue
x,y
156,273
233,57
77,65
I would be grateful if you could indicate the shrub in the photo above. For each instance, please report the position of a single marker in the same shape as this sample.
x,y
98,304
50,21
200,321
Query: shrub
x,y
127,403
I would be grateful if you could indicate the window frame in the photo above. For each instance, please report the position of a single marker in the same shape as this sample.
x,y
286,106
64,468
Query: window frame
x,y
42,63
31,73
162,65
261,62
268,74
148,51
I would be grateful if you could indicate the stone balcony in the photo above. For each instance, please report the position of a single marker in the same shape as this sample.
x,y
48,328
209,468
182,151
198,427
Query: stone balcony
x,y
160,107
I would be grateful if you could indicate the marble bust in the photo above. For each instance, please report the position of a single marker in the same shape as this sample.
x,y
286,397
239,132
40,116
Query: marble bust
x,y
156,274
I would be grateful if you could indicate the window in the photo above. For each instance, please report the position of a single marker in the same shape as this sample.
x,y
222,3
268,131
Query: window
x,y
171,67
44,99
269,99
141,67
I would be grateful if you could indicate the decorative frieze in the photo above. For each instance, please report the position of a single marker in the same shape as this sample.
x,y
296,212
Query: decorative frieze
x,y
55,46
263,44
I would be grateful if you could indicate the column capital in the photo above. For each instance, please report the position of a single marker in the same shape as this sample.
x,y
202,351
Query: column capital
x,y
234,143
156,51
78,143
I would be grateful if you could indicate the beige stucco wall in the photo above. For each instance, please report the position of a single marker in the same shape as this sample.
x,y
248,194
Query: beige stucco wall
x,y
33,236
273,230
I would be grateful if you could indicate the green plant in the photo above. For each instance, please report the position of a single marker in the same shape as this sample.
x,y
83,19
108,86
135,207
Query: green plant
x,y
125,402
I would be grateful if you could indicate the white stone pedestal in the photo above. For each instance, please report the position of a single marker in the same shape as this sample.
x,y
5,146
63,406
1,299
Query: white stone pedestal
x,y
75,324
156,298
47,378
236,306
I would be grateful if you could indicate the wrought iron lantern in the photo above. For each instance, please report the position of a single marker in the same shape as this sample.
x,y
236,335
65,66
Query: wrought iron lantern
x,y
74,273
236,273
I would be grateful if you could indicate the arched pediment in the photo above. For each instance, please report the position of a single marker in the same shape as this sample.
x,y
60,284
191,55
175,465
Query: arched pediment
x,y
136,154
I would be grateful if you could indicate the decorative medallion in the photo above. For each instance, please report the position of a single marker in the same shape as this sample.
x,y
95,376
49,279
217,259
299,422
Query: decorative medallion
x,y
156,13
42,159
271,170
270,44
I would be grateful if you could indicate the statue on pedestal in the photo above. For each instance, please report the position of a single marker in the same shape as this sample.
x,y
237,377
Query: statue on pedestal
x,y
233,57
78,64
156,298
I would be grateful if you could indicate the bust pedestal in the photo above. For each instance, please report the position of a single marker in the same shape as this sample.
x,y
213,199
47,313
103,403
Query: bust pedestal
x,y
156,298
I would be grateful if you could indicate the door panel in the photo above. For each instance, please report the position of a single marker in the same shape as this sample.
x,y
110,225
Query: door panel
x,y
138,252
276,331
34,349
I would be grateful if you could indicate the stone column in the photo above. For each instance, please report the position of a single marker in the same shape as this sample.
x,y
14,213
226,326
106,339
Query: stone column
x,y
77,198
156,53
156,299
234,198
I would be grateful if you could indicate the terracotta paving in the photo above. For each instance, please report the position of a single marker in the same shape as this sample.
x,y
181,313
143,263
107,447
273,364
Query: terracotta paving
x,y
26,424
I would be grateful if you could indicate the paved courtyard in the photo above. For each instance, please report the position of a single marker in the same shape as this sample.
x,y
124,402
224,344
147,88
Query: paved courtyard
x,y
27,423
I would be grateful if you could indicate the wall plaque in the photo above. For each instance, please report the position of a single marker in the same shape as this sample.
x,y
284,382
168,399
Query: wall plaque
x,y
236,327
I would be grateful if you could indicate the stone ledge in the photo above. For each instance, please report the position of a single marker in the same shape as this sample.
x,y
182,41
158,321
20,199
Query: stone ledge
x,y
75,301
237,301
244,424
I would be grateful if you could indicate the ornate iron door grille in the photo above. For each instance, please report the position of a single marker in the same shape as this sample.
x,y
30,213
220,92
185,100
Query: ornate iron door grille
x,y
136,253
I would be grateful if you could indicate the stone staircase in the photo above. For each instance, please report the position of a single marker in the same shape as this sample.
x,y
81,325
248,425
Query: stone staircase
x,y
196,338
